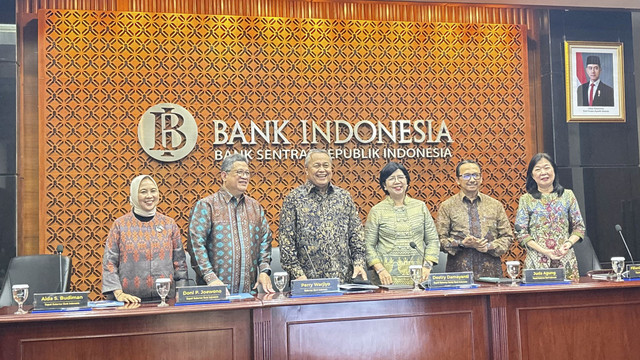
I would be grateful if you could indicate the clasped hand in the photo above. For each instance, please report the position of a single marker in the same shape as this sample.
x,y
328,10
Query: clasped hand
x,y
560,252
481,245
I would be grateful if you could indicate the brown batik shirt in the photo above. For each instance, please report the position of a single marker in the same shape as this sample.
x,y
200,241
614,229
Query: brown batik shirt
x,y
484,218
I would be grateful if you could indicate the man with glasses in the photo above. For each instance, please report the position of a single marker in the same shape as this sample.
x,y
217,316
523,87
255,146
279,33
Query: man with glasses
x,y
229,236
320,229
473,227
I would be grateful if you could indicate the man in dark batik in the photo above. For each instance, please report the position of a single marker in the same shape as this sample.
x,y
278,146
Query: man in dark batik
x,y
229,236
473,227
320,229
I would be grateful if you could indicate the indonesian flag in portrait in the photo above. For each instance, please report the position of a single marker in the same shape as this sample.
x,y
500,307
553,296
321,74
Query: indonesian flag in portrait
x,y
581,76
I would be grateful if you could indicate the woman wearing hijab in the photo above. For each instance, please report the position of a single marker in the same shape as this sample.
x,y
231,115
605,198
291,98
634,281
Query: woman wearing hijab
x,y
142,246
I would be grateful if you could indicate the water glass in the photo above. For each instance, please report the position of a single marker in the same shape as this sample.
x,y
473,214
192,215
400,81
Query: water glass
x,y
162,286
280,279
416,275
513,269
20,294
617,264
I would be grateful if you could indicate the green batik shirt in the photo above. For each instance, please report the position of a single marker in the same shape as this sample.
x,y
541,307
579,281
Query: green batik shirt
x,y
320,234
391,229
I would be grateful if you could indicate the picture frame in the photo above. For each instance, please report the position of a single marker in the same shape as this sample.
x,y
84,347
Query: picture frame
x,y
594,74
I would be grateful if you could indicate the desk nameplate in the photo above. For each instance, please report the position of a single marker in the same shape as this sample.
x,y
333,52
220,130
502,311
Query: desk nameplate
x,y
64,300
200,294
634,271
315,286
452,279
543,275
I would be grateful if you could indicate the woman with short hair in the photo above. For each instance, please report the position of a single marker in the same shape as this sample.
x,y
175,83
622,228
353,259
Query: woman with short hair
x,y
393,225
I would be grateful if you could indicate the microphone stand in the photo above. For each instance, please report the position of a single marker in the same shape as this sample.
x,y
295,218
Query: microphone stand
x,y
619,229
424,253
59,250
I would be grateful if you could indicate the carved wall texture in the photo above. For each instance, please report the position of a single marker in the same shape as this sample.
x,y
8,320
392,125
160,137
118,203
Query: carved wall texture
x,y
100,71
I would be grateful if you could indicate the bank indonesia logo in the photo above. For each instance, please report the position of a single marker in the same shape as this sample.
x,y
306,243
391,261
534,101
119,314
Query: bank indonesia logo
x,y
167,132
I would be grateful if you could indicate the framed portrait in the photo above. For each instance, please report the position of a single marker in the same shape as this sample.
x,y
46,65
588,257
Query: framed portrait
x,y
594,81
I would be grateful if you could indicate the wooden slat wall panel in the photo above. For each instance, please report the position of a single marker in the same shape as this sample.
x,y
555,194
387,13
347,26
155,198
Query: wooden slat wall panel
x,y
379,11
87,159
209,7
28,195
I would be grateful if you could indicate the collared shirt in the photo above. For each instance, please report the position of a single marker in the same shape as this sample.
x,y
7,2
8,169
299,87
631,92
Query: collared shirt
x,y
230,240
137,253
320,233
484,218
390,230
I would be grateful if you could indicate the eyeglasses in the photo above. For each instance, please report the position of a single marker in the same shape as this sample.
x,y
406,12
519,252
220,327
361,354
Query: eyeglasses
x,y
399,178
241,173
475,176
318,166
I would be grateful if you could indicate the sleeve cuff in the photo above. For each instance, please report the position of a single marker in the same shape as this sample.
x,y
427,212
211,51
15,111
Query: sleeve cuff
x,y
432,259
265,268
110,289
209,278
374,262
526,240
578,234
359,262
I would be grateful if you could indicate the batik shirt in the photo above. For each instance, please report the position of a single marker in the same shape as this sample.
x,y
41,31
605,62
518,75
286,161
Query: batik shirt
x,y
550,221
137,253
391,229
483,218
230,240
320,233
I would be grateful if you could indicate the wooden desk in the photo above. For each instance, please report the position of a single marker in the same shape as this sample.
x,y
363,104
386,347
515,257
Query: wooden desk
x,y
384,325
587,320
220,331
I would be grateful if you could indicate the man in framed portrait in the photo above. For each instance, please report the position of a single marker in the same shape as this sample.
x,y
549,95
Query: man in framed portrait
x,y
594,92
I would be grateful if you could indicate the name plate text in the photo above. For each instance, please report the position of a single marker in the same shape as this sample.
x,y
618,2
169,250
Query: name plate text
x,y
197,294
314,286
634,271
55,301
451,279
543,275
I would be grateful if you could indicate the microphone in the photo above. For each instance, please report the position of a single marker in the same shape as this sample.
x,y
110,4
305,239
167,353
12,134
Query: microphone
x,y
415,247
59,250
619,230
306,250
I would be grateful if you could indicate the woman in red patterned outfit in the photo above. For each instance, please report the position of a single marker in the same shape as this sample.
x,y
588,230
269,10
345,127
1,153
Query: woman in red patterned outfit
x,y
142,246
